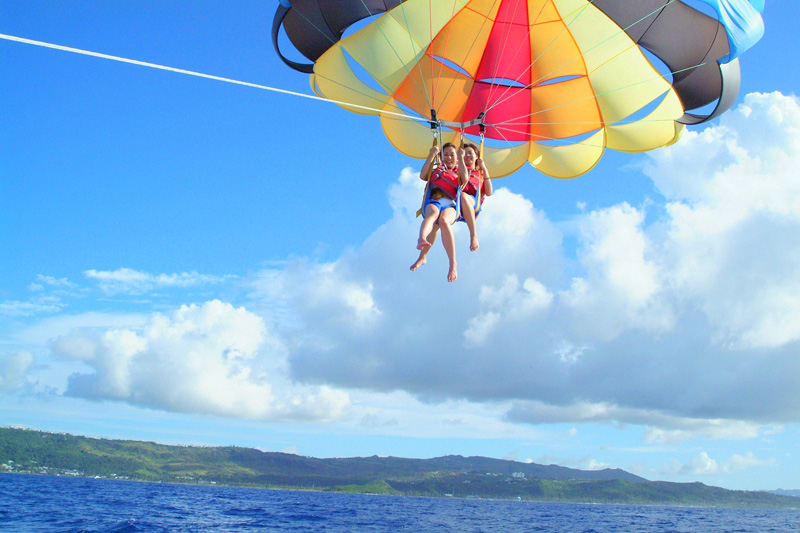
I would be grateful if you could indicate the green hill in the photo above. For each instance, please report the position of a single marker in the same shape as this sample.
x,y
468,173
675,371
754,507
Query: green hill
x,y
62,454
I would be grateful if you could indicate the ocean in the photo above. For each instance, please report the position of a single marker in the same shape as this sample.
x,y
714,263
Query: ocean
x,y
30,503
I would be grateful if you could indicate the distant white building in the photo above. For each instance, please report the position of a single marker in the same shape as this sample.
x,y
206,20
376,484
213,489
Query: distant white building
x,y
518,475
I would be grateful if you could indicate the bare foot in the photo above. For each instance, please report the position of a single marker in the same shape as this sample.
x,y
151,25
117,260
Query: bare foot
x,y
473,243
418,263
422,244
452,275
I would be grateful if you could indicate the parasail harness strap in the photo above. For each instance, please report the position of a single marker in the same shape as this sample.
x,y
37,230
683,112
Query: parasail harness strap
x,y
479,192
437,138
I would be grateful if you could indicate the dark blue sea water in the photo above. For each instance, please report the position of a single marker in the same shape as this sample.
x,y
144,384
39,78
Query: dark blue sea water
x,y
43,503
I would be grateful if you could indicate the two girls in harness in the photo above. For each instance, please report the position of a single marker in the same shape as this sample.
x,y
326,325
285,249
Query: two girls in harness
x,y
457,185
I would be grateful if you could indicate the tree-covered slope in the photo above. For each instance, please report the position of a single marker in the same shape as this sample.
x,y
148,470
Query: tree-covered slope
x,y
55,453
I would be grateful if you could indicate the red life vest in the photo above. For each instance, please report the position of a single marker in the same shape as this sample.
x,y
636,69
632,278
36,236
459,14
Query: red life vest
x,y
474,182
445,179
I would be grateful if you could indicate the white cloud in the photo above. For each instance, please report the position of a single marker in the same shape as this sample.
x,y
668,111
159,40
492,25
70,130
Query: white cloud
x,y
126,280
666,314
14,369
703,465
39,305
733,226
48,328
679,430
212,358
681,316
402,330
50,296
740,462
401,414
660,427
581,463
371,421
504,305
593,464
700,465
621,284
51,281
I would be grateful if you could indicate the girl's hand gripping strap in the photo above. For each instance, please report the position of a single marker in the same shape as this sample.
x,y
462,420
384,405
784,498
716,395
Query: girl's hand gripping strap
x,y
426,195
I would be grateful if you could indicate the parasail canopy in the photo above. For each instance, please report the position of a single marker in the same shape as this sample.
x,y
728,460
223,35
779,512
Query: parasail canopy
x,y
551,82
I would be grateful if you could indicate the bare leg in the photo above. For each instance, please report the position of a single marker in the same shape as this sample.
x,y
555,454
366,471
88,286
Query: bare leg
x,y
446,220
423,254
468,212
431,214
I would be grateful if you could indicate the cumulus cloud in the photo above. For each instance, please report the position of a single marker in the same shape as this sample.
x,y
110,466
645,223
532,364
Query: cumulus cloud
x,y
682,314
703,465
366,321
14,370
731,242
597,465
127,280
582,463
211,358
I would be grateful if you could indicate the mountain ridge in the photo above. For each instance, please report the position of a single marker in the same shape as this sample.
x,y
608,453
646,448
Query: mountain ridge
x,y
38,452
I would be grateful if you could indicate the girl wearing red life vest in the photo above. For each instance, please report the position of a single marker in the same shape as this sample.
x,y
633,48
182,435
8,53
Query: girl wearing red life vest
x,y
440,206
476,178
474,174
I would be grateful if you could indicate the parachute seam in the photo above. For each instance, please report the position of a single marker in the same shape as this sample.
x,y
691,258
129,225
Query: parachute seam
x,y
315,26
602,122
667,3
622,30
494,86
583,53
430,40
705,56
472,45
396,53
710,46
552,42
414,44
506,90
435,86
496,66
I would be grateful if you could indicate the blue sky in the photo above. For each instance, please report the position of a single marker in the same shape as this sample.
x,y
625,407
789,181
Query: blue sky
x,y
189,261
